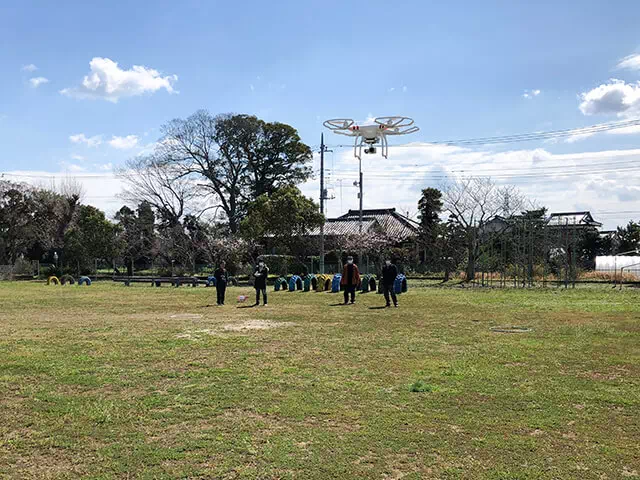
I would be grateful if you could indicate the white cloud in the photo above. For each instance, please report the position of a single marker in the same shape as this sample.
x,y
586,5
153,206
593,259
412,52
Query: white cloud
x,y
77,157
404,88
631,130
613,189
106,167
124,143
29,68
578,137
37,81
397,182
614,98
630,62
107,81
252,87
72,167
88,141
392,89
531,93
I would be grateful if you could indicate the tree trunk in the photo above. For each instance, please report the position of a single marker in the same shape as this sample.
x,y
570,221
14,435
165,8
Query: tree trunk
x,y
471,262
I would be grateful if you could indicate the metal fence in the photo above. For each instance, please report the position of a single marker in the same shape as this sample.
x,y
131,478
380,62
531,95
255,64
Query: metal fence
x,y
530,252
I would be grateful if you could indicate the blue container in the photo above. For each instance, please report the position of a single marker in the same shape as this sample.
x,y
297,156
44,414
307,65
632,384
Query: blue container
x,y
293,282
335,283
211,281
310,282
400,284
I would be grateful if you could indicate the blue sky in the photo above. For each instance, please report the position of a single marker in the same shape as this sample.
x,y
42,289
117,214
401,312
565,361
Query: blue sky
x,y
460,69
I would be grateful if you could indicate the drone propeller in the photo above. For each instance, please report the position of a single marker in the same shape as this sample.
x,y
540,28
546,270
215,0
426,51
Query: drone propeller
x,y
338,124
393,122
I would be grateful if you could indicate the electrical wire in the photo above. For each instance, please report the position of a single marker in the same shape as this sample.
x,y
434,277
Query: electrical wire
x,y
522,137
410,175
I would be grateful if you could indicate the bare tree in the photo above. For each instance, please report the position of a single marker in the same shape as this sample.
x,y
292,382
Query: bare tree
x,y
151,180
473,201
67,187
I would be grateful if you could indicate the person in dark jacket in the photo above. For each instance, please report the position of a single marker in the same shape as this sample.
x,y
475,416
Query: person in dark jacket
x,y
350,280
260,283
389,274
222,278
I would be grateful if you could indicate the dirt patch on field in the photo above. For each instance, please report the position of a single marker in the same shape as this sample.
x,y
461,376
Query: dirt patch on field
x,y
185,316
255,325
247,325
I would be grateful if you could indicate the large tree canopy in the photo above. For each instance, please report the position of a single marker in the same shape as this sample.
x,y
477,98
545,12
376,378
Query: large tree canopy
x,y
236,158
92,236
32,220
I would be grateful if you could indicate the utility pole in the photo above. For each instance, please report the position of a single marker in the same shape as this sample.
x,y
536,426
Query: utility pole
x,y
360,194
322,147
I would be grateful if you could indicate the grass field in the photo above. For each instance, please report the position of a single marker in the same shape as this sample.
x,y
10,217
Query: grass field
x,y
114,382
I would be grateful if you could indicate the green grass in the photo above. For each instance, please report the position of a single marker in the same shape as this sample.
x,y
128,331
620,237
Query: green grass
x,y
114,382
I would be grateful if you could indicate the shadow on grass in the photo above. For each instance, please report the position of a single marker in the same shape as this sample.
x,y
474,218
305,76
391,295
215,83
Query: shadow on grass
x,y
378,308
247,306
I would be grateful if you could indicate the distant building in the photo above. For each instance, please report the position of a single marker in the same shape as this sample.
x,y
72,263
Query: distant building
x,y
581,220
384,220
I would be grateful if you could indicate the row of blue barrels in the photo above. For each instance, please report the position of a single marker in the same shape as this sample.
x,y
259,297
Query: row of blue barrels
x,y
368,283
295,282
311,282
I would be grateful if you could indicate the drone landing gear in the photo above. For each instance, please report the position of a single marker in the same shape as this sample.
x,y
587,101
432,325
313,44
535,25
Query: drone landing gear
x,y
371,146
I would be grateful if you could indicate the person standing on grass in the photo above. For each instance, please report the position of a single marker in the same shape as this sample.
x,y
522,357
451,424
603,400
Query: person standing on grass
x,y
350,280
389,274
222,278
260,282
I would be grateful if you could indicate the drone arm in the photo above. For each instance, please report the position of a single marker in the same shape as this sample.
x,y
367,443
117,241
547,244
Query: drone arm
x,y
347,133
402,131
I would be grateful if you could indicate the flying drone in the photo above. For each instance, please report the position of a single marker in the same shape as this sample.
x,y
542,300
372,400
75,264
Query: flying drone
x,y
372,134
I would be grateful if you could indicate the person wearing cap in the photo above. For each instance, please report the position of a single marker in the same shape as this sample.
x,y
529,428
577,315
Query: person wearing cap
x,y
260,284
389,274
350,280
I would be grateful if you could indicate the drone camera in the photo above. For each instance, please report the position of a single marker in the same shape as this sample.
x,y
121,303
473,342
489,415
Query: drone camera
x,y
370,150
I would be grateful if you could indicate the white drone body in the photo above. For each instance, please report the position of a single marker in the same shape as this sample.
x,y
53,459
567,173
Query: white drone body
x,y
372,134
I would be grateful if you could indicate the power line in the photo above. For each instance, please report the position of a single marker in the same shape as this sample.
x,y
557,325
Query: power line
x,y
407,174
59,175
578,167
522,137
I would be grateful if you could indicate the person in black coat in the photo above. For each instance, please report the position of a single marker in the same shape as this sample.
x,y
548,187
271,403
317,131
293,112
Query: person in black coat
x,y
222,278
260,283
389,274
